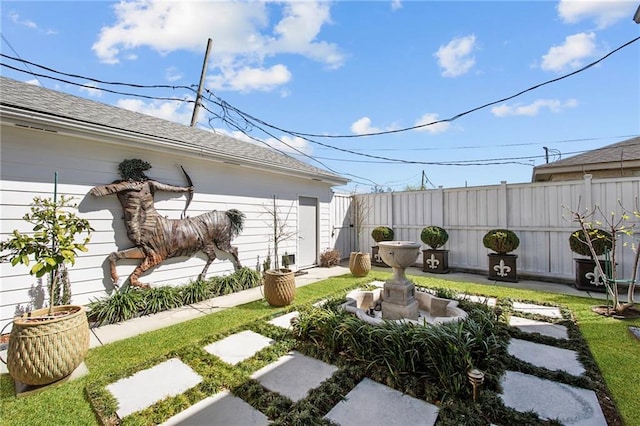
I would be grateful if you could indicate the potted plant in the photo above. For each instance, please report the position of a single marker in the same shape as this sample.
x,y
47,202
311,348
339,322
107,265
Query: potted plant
x,y
380,233
279,283
48,344
588,275
359,262
434,259
502,265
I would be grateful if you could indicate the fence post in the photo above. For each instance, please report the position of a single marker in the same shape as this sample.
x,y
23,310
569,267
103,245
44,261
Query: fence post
x,y
588,191
502,201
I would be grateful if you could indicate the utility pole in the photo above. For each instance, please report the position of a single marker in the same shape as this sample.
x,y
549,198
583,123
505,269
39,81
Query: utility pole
x,y
422,184
194,117
546,154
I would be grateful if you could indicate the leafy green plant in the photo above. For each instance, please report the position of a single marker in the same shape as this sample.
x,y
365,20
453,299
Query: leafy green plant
x,y
52,245
120,306
226,285
195,291
600,239
158,299
382,233
434,236
502,241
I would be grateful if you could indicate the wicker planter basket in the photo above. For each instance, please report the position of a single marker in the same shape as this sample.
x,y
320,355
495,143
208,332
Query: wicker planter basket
x,y
279,287
43,352
360,264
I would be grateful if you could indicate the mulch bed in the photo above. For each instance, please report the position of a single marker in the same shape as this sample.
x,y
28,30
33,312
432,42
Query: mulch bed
x,y
629,313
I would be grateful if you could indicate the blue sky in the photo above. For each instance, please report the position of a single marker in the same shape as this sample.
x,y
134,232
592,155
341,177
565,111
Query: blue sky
x,y
349,68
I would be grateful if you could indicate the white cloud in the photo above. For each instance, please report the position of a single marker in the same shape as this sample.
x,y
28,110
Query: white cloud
x,y
363,126
604,12
91,89
434,128
247,79
534,108
15,18
178,112
456,57
396,4
571,54
243,36
33,82
173,74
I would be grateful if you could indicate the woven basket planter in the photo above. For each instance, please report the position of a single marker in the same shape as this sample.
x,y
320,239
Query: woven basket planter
x,y
359,264
279,287
44,351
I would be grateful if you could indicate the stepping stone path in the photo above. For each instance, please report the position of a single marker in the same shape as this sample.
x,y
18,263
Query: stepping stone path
x,y
146,387
294,375
222,409
551,400
544,328
238,347
369,403
549,357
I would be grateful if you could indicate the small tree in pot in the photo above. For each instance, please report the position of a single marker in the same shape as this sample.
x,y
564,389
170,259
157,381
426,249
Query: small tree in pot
x,y
380,233
279,283
502,265
434,259
48,344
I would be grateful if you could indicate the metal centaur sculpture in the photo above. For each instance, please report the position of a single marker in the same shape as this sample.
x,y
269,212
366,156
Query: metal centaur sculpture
x,y
157,238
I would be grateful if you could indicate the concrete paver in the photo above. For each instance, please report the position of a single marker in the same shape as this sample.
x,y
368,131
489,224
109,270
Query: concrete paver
x,y
221,409
549,357
149,386
551,400
371,403
294,375
238,347
547,311
284,321
556,331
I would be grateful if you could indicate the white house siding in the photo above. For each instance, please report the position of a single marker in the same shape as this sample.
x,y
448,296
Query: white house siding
x,y
537,212
30,158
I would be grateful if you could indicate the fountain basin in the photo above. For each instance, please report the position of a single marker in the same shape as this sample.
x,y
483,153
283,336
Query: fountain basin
x,y
399,254
431,309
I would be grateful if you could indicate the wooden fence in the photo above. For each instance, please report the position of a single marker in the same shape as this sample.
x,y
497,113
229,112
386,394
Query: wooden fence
x,y
539,213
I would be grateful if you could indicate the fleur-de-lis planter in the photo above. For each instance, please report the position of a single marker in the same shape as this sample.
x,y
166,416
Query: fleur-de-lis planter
x,y
434,259
502,265
588,276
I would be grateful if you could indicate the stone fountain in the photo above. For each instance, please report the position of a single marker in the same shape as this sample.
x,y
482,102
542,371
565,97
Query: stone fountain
x,y
399,293
397,300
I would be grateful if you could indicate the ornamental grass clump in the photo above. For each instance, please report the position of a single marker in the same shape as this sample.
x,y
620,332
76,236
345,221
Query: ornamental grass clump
x,y
329,258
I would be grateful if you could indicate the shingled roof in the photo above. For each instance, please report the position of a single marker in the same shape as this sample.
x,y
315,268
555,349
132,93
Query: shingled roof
x,y
622,157
22,99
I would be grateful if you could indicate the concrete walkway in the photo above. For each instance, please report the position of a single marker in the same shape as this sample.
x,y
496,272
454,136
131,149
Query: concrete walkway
x,y
368,401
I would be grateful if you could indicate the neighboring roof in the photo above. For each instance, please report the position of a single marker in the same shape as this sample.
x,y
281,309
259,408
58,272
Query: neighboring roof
x,y
624,154
33,102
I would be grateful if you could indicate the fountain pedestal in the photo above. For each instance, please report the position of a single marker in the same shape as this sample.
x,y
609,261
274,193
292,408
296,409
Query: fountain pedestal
x,y
399,293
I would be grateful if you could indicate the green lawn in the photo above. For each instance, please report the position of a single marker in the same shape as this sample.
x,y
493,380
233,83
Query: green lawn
x,y
615,350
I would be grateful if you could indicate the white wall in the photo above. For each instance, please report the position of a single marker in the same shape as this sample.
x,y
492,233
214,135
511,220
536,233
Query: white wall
x,y
30,158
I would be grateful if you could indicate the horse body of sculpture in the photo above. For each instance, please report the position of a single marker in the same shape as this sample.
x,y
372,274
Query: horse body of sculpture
x,y
157,238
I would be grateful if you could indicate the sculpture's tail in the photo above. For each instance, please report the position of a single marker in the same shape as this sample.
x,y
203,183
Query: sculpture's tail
x,y
237,221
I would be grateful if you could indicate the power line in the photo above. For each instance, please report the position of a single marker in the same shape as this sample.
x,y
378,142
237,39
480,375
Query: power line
x,y
18,55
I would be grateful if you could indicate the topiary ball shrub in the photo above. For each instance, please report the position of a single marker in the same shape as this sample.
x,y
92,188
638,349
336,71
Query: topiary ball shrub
x,y
502,241
600,239
434,236
382,233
